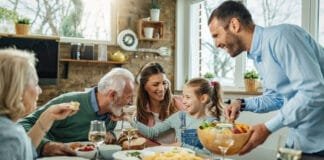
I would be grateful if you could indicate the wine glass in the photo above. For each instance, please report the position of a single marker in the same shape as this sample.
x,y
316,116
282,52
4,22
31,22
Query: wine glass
x,y
224,142
285,152
97,133
130,133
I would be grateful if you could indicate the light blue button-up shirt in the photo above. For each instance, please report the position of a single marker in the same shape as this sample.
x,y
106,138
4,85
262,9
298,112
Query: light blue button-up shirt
x,y
291,66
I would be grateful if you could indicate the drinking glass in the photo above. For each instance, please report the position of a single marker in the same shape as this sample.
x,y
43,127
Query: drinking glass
x,y
224,142
97,134
285,152
130,133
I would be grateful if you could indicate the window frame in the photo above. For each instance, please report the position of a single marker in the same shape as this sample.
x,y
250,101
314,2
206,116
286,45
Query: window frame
x,y
310,22
114,32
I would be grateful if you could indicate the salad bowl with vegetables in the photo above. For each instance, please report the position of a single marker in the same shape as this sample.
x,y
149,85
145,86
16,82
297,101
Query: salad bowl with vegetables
x,y
223,138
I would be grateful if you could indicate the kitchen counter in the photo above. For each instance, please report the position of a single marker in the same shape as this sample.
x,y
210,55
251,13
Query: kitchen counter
x,y
32,36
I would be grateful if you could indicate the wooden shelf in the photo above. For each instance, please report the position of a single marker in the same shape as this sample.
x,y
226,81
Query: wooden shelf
x,y
158,33
67,61
91,61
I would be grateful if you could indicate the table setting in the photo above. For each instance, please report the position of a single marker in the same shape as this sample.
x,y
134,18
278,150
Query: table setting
x,y
221,141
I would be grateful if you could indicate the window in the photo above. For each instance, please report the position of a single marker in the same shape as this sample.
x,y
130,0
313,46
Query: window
x,y
68,18
210,58
203,57
268,13
321,23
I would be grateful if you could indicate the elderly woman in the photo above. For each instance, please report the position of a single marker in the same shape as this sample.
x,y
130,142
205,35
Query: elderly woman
x,y
155,101
18,97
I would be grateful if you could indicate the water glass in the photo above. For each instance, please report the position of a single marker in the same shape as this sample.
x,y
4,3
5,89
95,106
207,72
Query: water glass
x,y
287,153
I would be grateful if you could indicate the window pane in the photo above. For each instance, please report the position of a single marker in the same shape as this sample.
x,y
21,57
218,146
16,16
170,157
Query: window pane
x,y
321,23
269,12
211,59
66,18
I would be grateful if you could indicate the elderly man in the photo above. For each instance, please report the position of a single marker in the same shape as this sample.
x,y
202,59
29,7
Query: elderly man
x,y
104,102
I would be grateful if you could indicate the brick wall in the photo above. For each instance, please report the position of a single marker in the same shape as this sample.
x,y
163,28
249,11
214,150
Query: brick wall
x,y
83,75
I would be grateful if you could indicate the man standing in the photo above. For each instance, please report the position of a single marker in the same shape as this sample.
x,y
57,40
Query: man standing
x,y
291,65
104,102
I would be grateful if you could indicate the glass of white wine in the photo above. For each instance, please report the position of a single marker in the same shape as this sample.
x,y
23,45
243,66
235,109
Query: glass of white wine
x,y
130,133
97,133
224,142
288,153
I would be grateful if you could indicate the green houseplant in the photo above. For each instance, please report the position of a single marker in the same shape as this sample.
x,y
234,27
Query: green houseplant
x,y
22,26
250,80
252,74
209,75
155,10
155,4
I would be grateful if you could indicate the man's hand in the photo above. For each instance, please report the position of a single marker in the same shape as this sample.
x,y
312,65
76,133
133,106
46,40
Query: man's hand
x,y
259,134
110,138
55,149
232,111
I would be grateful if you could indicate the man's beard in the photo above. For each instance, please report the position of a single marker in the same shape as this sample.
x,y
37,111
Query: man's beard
x,y
234,44
115,109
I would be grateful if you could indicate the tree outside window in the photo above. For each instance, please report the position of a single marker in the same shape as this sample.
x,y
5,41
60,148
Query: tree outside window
x,y
66,18
214,60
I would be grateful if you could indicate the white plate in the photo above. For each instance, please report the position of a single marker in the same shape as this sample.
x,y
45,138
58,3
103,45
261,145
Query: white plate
x,y
61,158
159,149
122,155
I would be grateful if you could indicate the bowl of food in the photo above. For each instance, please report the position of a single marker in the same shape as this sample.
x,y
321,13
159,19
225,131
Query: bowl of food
x,y
85,150
107,150
131,154
223,137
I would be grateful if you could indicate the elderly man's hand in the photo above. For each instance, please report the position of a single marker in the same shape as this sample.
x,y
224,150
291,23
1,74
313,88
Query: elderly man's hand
x,y
110,138
55,148
259,134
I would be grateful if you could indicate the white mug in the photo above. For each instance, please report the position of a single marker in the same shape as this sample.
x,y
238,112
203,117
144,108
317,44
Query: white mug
x,y
148,32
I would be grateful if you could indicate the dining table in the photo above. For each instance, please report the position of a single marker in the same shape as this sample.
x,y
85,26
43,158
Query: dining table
x,y
259,153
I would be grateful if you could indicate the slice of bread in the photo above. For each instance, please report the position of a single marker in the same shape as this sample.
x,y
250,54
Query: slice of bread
x,y
74,105
137,143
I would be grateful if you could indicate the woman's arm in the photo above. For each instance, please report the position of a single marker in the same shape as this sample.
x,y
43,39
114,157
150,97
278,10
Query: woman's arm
x,y
178,102
46,119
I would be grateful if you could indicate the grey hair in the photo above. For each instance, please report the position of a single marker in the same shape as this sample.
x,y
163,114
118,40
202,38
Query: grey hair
x,y
116,80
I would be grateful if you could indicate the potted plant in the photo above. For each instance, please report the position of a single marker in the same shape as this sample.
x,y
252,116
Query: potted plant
x,y
209,75
22,26
155,11
250,80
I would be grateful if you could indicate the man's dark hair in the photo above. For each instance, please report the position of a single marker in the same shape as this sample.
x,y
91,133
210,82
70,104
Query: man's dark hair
x,y
229,9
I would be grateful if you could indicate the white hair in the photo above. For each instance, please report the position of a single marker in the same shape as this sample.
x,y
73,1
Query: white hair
x,y
116,80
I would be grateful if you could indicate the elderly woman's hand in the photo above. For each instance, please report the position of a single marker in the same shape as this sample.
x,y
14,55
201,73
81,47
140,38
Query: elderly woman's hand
x,y
56,148
53,113
60,111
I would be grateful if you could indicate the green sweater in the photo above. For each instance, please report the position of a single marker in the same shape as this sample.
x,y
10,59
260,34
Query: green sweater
x,y
73,128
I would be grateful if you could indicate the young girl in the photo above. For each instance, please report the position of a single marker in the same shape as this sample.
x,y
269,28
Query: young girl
x,y
202,101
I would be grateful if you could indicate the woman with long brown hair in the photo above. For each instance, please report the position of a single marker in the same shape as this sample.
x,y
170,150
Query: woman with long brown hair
x,y
154,100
